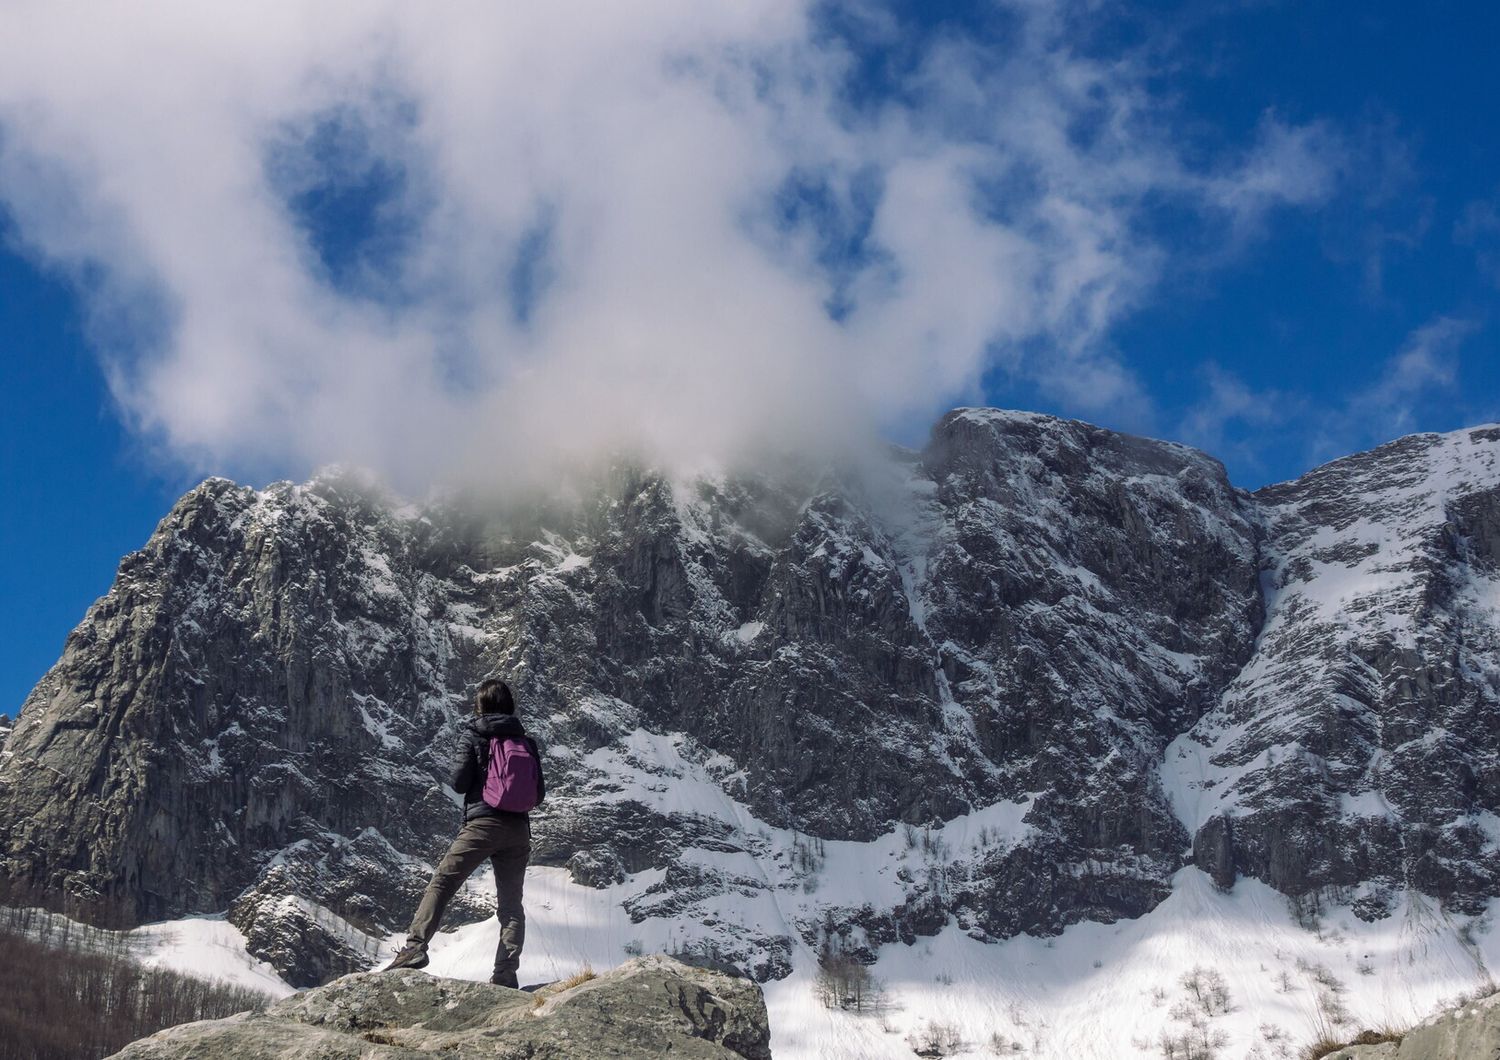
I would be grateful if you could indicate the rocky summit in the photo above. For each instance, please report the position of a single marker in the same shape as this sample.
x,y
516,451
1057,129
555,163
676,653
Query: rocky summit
x,y
1091,647
647,1008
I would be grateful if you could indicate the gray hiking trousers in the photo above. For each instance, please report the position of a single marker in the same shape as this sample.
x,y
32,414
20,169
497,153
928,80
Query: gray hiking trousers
x,y
506,841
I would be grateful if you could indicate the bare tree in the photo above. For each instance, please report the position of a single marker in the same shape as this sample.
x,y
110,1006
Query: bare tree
x,y
936,1040
844,982
53,970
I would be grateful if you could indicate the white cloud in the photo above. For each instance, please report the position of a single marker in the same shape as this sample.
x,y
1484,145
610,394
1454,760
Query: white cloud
x,y
1479,227
1234,420
1406,385
629,159
1426,362
1233,416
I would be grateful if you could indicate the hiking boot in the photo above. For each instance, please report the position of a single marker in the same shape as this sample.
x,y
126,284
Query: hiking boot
x,y
506,979
412,955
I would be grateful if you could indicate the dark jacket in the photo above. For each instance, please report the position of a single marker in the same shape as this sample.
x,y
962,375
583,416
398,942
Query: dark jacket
x,y
471,760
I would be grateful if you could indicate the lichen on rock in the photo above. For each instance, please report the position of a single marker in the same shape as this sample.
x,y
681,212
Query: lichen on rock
x,y
646,1008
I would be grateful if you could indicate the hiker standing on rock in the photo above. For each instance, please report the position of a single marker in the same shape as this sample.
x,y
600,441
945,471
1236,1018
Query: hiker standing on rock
x,y
497,768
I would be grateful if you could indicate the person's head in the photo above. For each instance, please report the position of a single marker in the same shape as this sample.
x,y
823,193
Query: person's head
x,y
494,698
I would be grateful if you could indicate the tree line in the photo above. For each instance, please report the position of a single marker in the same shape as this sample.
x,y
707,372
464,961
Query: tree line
x,y
69,992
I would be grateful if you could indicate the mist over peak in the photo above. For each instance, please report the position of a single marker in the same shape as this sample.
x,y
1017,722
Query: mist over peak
x,y
448,242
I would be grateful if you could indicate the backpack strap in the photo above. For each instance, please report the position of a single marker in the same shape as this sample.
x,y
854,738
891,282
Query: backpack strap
x,y
541,780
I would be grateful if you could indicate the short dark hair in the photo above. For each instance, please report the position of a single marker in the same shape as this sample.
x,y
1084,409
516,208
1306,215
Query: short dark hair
x,y
494,698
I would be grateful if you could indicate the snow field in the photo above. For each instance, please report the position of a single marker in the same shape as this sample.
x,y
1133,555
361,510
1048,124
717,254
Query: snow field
x,y
209,947
1096,992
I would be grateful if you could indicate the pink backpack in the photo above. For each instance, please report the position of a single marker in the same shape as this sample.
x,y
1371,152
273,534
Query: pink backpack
x,y
511,782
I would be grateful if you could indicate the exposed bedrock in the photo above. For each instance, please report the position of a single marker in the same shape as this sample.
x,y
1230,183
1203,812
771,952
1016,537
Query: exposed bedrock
x,y
647,1008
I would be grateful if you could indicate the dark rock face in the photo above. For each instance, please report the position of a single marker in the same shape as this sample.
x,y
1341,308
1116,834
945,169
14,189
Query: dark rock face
x,y
1358,751
1092,594
1213,850
647,1008
1059,661
259,685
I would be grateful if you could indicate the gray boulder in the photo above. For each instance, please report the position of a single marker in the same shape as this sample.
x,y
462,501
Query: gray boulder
x,y
649,1007
1469,1032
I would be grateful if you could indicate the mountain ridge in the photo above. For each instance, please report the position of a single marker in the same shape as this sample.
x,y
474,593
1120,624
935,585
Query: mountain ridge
x,y
1031,625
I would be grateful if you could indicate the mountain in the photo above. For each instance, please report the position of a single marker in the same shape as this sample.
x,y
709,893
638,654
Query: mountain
x,y
1020,680
1358,750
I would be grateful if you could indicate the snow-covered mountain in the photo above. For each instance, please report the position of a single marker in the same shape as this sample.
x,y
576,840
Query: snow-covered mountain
x,y
1037,719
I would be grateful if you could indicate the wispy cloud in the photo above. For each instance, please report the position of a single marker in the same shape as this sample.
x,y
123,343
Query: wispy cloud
x,y
1237,421
1426,363
1382,216
395,234
1479,227
1391,404
1231,419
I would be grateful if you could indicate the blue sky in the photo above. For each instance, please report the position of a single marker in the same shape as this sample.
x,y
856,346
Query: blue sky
x,y
1354,300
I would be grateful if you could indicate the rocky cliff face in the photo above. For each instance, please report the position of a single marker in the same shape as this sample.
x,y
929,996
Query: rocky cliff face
x,y
1028,672
646,1008
1360,748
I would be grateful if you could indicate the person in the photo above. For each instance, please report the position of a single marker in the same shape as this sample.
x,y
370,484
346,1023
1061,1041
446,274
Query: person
x,y
501,835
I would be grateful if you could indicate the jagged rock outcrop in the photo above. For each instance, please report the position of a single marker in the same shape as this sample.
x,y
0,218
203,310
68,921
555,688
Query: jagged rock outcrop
x,y
1090,650
224,717
1359,751
649,1007
1090,594
1469,1032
